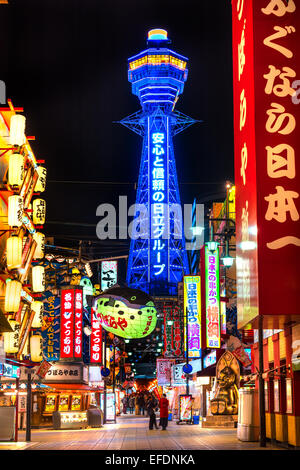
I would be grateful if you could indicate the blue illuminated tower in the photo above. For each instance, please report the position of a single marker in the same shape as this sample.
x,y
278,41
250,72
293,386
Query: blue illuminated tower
x,y
157,258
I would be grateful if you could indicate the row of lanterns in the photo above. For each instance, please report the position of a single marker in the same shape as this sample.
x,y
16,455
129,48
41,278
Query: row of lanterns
x,y
17,217
16,211
11,342
16,173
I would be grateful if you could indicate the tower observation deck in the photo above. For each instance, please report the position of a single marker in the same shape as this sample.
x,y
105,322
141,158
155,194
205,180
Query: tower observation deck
x,y
157,258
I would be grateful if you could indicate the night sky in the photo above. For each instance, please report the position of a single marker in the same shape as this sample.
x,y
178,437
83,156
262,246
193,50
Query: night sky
x,y
65,62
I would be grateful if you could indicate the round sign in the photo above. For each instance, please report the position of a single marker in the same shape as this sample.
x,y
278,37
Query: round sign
x,y
187,368
105,372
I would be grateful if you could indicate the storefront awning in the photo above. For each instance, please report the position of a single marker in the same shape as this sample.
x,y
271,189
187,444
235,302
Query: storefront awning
x,y
72,387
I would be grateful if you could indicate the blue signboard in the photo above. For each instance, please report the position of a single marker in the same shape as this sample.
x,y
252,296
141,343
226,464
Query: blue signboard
x,y
51,327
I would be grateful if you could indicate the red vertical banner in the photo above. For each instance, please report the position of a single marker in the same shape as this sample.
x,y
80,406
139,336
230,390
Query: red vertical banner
x,y
267,177
67,323
95,339
78,323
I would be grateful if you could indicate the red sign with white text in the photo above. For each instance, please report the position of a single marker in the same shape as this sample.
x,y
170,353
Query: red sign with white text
x,y
71,323
95,339
67,323
266,110
78,324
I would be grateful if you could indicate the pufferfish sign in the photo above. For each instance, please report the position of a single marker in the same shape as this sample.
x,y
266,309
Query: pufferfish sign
x,y
129,313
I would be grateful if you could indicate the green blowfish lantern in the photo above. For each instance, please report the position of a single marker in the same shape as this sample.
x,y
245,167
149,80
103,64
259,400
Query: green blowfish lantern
x,y
129,313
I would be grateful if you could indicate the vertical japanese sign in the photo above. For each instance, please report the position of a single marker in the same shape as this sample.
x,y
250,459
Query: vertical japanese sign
x,y
212,301
192,314
51,327
158,197
109,274
67,323
266,67
163,371
71,323
95,339
78,323
168,331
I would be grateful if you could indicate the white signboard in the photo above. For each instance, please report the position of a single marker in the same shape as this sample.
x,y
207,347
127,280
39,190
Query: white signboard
x,y
67,373
109,274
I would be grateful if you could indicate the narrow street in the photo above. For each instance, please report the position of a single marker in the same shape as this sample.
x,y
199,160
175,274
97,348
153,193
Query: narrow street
x,y
132,433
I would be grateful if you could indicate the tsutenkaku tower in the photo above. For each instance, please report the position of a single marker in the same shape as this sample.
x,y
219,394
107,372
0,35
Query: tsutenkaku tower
x,y
158,259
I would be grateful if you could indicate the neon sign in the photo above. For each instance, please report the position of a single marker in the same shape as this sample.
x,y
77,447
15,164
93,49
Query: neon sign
x,y
192,309
212,288
71,323
158,197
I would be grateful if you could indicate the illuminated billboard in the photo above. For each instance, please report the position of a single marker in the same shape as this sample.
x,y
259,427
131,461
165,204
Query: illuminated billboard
x,y
212,293
192,314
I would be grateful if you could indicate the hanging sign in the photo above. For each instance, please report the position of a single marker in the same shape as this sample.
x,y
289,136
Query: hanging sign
x,y
95,339
71,323
109,274
266,70
192,314
212,289
51,327
163,371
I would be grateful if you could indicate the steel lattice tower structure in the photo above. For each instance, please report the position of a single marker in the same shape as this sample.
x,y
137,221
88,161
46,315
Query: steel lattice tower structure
x,y
158,258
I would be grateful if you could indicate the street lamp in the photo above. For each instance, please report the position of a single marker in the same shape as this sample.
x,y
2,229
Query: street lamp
x,y
212,245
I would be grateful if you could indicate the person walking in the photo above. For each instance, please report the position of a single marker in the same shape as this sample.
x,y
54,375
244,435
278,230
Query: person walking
x,y
164,411
125,404
151,405
131,404
142,403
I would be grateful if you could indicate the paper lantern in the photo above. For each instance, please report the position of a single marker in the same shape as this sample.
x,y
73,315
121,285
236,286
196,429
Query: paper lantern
x,y
38,278
15,211
14,246
125,312
17,130
12,296
11,339
37,307
39,211
40,245
15,170
40,185
36,348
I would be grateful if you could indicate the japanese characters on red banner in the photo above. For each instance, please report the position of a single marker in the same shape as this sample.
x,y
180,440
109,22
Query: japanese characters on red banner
x,y
71,323
78,324
95,339
266,108
192,309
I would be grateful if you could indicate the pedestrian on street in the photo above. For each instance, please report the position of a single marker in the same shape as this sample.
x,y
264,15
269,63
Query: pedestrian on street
x,y
164,411
131,404
151,406
142,403
125,404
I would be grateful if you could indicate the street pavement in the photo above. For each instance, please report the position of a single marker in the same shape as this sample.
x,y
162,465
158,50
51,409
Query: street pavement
x,y
132,433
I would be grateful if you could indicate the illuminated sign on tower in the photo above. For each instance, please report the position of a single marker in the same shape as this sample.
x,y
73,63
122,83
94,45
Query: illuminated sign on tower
x,y
158,258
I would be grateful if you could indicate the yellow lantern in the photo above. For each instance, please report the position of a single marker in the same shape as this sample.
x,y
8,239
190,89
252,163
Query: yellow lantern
x,y
12,296
37,307
39,211
40,245
11,339
17,130
38,278
15,211
36,348
14,245
40,185
16,170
